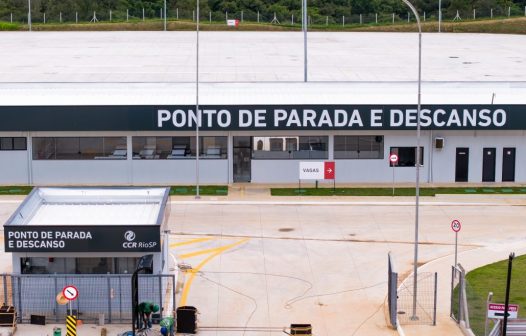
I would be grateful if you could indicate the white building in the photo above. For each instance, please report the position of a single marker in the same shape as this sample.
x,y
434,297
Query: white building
x,y
119,108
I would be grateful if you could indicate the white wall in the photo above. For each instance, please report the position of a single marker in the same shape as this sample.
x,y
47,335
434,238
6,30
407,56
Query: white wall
x,y
178,171
14,168
86,172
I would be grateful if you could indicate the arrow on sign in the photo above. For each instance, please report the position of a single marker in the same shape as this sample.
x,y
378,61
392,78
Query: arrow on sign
x,y
502,314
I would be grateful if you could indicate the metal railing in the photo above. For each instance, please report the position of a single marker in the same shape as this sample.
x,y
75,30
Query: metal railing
x,y
108,295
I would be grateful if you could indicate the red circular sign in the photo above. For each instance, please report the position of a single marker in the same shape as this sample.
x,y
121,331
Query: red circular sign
x,y
455,225
70,292
393,158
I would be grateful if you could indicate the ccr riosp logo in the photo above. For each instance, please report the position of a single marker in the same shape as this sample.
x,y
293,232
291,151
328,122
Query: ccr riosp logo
x,y
129,236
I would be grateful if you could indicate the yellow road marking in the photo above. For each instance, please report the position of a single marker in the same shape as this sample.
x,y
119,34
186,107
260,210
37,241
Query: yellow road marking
x,y
193,241
194,271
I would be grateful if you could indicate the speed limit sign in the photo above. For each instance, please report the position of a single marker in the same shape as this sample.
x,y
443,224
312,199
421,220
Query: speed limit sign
x,y
455,225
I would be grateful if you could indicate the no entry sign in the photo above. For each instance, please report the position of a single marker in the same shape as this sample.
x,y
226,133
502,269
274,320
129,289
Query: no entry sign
x,y
70,292
455,225
393,158
317,170
496,311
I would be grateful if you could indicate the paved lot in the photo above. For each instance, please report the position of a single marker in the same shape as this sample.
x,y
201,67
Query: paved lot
x,y
266,266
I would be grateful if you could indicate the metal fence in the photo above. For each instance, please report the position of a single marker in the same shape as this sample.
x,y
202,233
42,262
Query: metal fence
x,y
392,288
424,312
99,295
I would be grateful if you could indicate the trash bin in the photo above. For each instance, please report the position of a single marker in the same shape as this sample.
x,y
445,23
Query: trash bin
x,y
57,331
186,320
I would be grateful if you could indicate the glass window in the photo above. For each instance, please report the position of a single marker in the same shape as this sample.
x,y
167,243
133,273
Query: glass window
x,y
407,156
359,147
79,148
290,147
172,148
9,143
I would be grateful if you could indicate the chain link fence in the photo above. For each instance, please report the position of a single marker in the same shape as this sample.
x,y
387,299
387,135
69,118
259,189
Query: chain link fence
x,y
424,312
99,295
251,15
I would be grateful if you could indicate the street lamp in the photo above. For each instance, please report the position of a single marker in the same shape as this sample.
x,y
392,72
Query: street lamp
x,y
197,196
418,156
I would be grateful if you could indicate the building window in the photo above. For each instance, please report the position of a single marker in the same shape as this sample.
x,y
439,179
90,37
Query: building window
x,y
13,143
290,147
80,148
172,148
407,156
359,147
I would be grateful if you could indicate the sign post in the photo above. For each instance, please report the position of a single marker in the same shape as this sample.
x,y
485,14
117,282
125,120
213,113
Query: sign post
x,y
71,293
393,158
456,226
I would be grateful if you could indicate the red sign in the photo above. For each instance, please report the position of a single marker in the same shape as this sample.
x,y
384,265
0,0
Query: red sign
x,y
70,292
496,310
393,158
455,225
329,170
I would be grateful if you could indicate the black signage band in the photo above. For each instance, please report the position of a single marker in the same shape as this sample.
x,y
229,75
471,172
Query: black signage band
x,y
27,238
261,117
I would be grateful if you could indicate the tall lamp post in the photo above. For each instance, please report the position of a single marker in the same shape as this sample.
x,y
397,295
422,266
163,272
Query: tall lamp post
x,y
197,196
305,27
418,158
29,14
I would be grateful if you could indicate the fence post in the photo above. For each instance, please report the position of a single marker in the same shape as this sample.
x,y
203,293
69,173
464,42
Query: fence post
x,y
210,16
110,15
424,16
193,15
19,287
327,20
258,14
60,17
143,17
509,11
76,17
435,301
44,17
491,13
241,16
361,21
11,17
408,17
343,21
174,305
56,303
393,18
226,15
120,298
177,13
292,19
376,18
160,292
474,14
127,15
109,296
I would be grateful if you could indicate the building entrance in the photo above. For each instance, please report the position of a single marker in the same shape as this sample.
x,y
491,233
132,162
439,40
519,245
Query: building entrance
x,y
488,164
462,165
242,158
508,165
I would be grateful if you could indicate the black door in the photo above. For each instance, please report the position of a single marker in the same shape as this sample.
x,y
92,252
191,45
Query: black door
x,y
488,164
508,165
242,158
462,165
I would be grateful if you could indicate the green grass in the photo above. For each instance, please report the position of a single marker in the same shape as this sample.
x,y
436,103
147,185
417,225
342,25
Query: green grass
x,y
203,190
500,25
9,26
15,190
492,278
389,191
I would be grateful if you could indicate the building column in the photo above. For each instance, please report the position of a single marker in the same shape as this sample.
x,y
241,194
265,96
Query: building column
x,y
331,147
230,156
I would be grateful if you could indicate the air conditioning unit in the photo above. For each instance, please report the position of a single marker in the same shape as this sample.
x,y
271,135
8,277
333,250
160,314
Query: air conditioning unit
x,y
439,143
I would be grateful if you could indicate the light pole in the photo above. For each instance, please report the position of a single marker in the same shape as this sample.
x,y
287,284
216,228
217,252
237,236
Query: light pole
x,y
197,196
305,27
164,15
29,14
417,165
439,15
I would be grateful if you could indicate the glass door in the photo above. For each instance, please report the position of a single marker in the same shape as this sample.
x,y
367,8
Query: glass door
x,y
242,158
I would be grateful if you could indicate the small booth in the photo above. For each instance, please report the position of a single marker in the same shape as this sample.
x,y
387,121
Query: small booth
x,y
88,230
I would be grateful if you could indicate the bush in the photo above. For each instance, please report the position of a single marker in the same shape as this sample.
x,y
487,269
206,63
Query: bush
x,y
9,26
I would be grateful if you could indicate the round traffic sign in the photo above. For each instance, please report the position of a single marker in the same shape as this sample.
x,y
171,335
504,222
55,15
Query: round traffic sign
x,y
70,292
455,225
393,158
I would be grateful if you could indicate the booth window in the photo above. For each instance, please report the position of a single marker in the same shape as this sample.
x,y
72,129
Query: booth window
x,y
79,148
290,147
359,147
407,156
13,144
172,148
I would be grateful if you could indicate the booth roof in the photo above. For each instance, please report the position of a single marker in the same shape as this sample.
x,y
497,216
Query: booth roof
x,y
91,206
